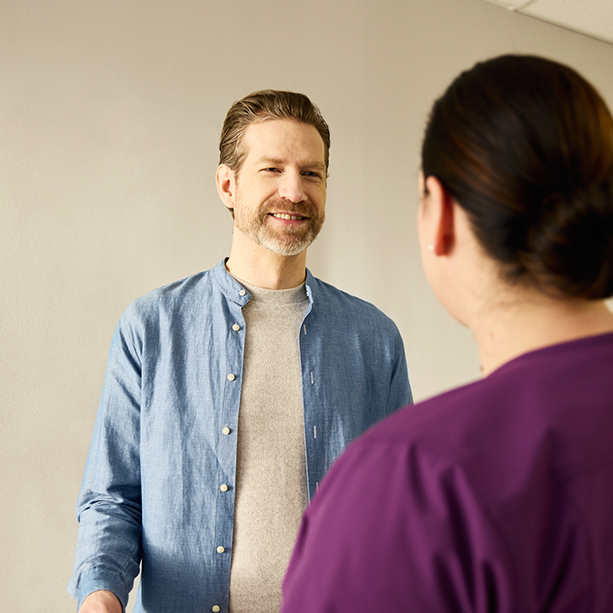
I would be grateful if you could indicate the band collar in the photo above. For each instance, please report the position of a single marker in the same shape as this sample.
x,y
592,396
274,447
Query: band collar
x,y
238,294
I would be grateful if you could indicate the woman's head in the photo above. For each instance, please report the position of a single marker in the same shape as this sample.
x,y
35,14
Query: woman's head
x,y
525,146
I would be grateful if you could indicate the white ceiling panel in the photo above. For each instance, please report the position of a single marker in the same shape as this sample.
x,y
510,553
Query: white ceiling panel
x,y
590,17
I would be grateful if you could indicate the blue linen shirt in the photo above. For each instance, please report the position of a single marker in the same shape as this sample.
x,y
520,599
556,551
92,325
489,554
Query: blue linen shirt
x,y
165,438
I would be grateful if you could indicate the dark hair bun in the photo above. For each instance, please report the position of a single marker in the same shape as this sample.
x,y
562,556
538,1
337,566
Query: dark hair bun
x,y
571,246
525,146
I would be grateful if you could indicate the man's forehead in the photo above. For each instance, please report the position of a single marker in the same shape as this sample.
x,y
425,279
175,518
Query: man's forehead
x,y
273,138
314,163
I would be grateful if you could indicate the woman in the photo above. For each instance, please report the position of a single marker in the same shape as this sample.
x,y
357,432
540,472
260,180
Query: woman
x,y
497,496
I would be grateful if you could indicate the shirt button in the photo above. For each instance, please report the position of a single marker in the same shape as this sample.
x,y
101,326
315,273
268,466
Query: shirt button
x,y
231,377
242,292
216,609
236,327
223,487
226,431
221,549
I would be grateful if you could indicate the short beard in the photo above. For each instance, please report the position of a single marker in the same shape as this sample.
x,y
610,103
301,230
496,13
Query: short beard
x,y
289,241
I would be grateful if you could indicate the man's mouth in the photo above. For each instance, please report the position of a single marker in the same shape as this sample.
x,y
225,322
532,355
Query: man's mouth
x,y
287,216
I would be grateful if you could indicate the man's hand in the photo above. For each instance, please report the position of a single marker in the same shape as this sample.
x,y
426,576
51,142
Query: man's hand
x,y
101,601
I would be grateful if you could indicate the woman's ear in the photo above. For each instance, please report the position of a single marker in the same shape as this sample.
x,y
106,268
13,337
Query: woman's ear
x,y
226,185
441,212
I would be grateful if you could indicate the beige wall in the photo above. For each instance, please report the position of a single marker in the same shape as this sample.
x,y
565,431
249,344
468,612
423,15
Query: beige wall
x,y
110,112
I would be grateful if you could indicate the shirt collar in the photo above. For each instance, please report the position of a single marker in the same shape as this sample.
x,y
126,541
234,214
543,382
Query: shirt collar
x,y
228,285
235,292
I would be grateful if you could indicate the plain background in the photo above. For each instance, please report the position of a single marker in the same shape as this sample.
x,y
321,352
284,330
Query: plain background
x,y
110,113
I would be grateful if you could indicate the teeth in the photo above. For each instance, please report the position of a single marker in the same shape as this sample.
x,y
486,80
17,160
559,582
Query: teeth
x,y
285,216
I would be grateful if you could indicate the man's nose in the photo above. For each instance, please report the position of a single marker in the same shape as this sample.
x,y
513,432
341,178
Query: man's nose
x,y
291,187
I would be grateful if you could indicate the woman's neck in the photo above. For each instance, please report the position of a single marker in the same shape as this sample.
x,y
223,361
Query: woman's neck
x,y
524,321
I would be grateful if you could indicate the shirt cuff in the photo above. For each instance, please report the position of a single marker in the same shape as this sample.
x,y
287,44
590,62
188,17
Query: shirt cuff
x,y
100,579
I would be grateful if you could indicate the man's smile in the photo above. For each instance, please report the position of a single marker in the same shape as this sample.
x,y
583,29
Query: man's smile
x,y
288,216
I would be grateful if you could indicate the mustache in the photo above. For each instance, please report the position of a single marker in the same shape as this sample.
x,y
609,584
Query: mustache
x,y
276,205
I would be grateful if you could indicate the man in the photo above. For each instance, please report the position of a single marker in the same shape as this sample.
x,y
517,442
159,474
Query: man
x,y
208,502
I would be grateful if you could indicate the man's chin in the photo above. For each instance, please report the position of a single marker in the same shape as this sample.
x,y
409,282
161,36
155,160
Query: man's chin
x,y
286,250
287,245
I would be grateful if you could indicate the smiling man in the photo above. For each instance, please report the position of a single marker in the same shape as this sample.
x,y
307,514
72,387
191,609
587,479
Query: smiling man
x,y
229,394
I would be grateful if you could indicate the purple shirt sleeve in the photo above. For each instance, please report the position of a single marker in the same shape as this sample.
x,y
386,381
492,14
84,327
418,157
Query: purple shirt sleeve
x,y
397,530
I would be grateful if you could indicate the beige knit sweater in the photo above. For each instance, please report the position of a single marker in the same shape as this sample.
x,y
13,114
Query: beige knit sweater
x,y
271,487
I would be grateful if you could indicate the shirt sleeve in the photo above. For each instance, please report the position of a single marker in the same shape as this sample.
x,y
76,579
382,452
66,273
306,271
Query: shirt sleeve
x,y
109,506
400,389
392,529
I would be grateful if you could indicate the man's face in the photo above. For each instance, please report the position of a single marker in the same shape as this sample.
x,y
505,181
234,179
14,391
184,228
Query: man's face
x,y
280,190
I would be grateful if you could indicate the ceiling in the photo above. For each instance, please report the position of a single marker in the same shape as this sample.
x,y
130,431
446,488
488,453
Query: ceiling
x,y
590,17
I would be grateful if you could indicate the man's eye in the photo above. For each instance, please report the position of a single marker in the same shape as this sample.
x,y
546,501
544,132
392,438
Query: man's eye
x,y
313,174
271,170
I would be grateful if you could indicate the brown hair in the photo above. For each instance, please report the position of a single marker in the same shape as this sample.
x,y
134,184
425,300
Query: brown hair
x,y
260,106
525,146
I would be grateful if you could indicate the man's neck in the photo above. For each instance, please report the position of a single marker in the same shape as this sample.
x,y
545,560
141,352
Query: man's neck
x,y
261,267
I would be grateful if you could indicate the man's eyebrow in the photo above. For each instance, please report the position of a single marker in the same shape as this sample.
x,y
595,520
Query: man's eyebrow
x,y
278,162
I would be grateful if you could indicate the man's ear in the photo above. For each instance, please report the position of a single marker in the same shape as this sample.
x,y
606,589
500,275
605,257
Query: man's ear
x,y
442,226
226,185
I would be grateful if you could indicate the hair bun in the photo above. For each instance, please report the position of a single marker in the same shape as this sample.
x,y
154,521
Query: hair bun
x,y
570,247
